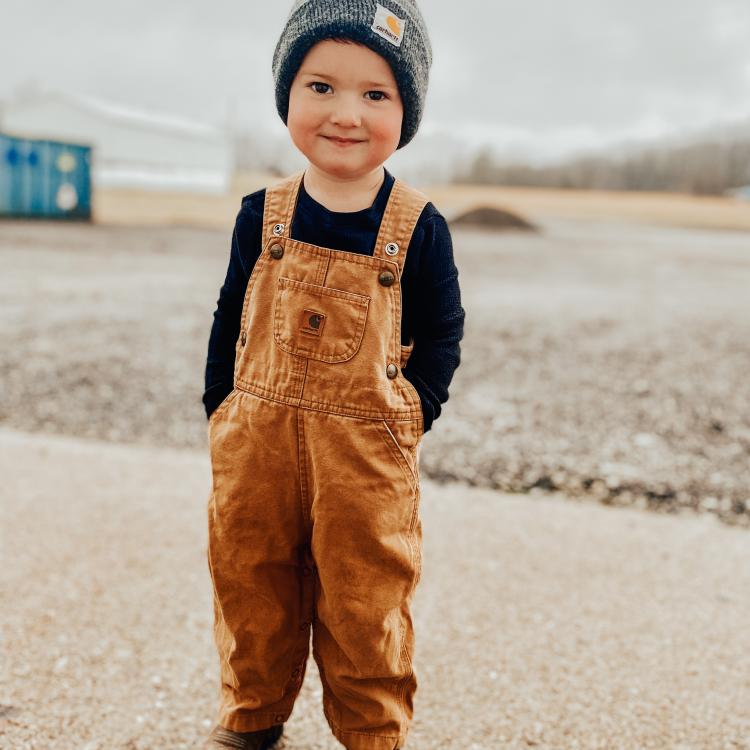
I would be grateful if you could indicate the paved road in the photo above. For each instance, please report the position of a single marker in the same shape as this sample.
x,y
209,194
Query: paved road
x,y
541,622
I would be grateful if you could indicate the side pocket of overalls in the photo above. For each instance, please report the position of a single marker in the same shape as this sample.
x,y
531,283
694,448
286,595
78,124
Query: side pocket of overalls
x,y
403,437
222,406
406,350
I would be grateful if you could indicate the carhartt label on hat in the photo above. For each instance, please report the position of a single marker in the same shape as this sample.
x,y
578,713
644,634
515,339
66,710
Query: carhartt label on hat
x,y
388,25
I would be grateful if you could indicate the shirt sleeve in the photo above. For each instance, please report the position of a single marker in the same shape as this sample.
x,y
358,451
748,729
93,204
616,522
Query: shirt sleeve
x,y
439,321
222,342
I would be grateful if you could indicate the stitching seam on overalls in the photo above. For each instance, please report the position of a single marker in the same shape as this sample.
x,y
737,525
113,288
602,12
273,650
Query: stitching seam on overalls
x,y
366,734
393,443
323,291
305,248
222,655
416,562
327,692
362,301
257,268
303,479
262,392
404,658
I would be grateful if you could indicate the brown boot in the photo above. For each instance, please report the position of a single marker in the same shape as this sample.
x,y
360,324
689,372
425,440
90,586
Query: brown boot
x,y
221,738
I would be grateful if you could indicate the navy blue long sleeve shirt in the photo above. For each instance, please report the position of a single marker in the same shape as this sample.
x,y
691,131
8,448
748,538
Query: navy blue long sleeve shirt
x,y
432,314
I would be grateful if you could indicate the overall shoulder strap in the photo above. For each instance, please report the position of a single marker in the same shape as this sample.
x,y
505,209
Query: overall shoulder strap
x,y
278,209
405,205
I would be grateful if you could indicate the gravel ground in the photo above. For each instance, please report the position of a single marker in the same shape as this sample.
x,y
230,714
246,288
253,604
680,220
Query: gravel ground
x,y
540,623
604,359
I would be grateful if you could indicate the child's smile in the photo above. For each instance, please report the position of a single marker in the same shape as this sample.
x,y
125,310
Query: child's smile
x,y
341,141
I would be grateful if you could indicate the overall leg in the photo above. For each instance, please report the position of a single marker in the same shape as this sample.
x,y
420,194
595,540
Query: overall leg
x,y
258,552
366,543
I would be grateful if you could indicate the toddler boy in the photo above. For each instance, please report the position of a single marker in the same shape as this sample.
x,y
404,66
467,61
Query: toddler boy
x,y
334,341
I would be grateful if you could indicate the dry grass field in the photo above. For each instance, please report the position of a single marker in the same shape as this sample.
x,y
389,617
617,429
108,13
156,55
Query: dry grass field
x,y
144,208
666,209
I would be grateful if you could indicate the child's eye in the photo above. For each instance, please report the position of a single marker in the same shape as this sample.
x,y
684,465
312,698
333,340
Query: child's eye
x,y
379,95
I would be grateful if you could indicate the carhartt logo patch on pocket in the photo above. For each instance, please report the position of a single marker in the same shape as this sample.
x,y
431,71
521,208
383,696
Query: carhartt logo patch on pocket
x,y
388,25
312,322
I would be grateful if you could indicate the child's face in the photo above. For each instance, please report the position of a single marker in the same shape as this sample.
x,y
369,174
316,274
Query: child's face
x,y
349,91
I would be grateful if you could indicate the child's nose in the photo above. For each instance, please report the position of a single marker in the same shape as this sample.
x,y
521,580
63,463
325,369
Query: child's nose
x,y
346,114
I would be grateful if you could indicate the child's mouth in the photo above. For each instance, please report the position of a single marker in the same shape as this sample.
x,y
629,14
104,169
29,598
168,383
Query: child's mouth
x,y
341,141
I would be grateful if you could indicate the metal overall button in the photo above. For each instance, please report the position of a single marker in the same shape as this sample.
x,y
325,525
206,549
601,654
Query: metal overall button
x,y
391,248
278,229
277,250
386,278
391,371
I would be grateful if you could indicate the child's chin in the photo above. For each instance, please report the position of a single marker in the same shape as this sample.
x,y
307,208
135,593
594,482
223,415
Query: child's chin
x,y
340,167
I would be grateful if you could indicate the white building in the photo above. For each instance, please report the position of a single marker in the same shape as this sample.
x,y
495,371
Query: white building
x,y
130,148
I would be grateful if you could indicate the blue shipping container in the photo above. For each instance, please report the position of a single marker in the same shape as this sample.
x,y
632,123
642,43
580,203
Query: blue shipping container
x,y
44,179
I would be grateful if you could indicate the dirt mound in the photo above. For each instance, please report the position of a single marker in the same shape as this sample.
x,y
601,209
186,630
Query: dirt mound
x,y
490,217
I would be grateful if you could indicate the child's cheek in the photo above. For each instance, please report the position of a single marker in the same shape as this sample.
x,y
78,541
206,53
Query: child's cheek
x,y
301,126
387,131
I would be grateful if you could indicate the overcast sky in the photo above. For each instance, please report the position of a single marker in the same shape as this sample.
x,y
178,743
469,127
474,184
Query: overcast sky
x,y
543,76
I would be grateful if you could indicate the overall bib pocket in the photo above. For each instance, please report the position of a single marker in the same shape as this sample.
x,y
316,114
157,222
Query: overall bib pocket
x,y
318,322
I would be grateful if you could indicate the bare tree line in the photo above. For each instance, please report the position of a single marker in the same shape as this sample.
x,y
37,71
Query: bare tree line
x,y
707,168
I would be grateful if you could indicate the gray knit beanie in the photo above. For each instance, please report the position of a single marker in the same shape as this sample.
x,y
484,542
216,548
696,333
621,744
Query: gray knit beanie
x,y
402,41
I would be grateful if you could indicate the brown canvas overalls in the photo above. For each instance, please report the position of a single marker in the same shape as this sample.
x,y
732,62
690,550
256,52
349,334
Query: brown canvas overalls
x,y
313,519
